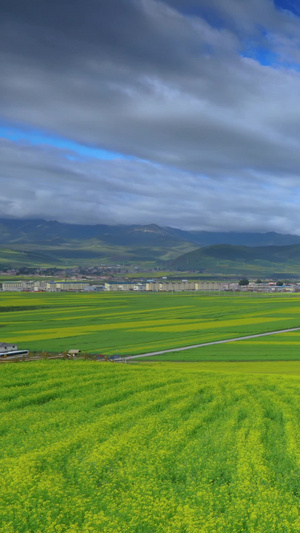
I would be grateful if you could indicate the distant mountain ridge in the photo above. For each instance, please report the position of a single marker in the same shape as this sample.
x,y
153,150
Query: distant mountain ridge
x,y
38,241
13,231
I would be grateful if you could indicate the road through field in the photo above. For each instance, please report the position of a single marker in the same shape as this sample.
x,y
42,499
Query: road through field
x,y
183,348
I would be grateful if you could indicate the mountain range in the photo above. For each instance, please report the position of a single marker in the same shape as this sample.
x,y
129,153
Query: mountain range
x,y
42,242
52,232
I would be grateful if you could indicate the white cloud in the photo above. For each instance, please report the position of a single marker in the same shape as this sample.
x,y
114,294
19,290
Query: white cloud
x,y
137,192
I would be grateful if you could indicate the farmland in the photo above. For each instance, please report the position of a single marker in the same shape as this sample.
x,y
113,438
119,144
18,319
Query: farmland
x,y
170,448
205,447
284,346
128,323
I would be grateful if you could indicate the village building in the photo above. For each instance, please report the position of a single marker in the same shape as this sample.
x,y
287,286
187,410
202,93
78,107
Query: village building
x,y
61,286
116,286
15,286
6,347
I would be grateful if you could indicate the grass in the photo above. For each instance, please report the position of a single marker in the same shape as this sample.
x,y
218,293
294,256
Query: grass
x,y
165,448
90,252
127,323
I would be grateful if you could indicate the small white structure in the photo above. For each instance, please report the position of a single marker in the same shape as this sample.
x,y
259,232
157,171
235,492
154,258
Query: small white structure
x,y
72,353
6,347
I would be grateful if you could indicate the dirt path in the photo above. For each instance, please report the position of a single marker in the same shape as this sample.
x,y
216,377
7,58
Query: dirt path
x,y
161,352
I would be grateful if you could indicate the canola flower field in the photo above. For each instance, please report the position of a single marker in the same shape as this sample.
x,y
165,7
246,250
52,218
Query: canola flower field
x,y
128,323
92,447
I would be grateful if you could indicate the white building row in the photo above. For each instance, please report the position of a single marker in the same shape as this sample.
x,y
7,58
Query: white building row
x,y
168,286
49,286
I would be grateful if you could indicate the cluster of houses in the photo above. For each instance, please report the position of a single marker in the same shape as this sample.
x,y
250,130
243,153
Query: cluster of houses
x,y
150,285
184,285
166,286
83,286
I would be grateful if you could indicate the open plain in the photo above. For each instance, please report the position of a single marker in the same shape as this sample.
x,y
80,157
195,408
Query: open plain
x,y
130,323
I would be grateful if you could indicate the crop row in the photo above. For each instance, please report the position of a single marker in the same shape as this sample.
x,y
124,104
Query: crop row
x,y
90,447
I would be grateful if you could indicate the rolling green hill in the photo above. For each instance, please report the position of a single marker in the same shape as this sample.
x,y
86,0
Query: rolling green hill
x,y
282,260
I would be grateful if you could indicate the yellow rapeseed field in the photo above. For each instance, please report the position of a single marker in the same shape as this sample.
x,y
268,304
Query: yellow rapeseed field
x,y
92,447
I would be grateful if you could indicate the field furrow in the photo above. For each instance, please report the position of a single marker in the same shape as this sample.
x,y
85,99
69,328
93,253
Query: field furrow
x,y
89,447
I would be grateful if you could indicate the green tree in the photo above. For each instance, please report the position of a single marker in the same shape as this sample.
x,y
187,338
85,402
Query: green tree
x,y
244,281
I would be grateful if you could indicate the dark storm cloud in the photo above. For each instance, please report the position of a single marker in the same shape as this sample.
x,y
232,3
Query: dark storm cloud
x,y
144,32
175,83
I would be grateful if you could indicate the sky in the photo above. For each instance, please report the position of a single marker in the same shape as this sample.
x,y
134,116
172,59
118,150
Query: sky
x,y
182,113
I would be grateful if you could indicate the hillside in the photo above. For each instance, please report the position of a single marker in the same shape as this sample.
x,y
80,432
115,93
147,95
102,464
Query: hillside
x,y
50,242
281,260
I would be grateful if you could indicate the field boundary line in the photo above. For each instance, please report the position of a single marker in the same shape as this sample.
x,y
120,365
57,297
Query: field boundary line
x,y
183,348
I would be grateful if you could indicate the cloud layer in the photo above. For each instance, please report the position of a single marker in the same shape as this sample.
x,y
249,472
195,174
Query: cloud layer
x,y
202,95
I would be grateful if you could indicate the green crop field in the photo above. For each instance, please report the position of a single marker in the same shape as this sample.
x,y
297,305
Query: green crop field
x,y
92,447
284,346
128,323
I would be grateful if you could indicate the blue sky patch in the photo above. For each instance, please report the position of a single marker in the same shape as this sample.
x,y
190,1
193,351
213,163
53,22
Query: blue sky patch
x,y
39,138
264,56
289,5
